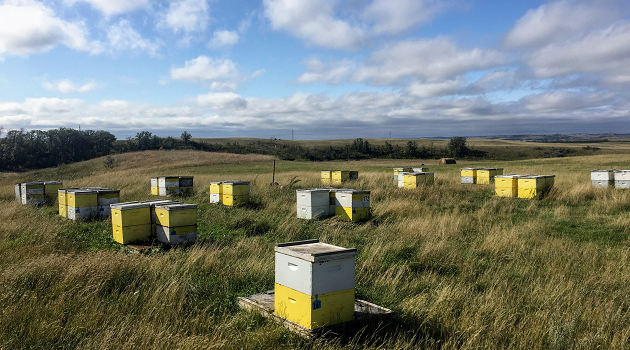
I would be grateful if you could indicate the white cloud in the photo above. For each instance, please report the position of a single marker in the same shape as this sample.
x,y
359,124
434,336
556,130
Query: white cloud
x,y
561,20
28,26
123,37
562,101
442,88
204,69
223,38
604,51
222,100
431,60
259,73
67,86
395,16
186,16
313,21
113,7
331,72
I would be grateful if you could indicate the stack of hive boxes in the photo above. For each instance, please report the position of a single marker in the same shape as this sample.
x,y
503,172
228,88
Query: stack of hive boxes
x,y
523,186
230,193
171,222
314,203
86,203
347,204
414,179
622,178
401,170
469,175
337,177
172,185
602,178
486,175
352,205
314,283
37,192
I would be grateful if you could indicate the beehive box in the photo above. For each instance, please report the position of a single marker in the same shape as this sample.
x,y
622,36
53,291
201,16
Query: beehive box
x,y
216,192
420,170
486,175
235,193
326,177
339,176
131,222
176,235
62,199
399,170
176,214
602,178
314,283
186,185
401,178
352,205
105,197
18,192
506,185
534,186
313,203
413,180
32,192
82,204
168,185
155,187
469,175
50,190
622,178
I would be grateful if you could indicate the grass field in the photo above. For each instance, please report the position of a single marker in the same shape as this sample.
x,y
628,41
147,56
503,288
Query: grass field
x,y
461,268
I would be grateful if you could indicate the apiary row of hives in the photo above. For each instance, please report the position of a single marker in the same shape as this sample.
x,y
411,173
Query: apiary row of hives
x,y
37,192
172,185
337,177
347,204
415,179
169,221
479,175
408,170
610,178
229,193
86,203
523,186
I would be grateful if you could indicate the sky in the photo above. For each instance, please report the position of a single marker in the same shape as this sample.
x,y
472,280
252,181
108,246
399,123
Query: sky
x,y
316,69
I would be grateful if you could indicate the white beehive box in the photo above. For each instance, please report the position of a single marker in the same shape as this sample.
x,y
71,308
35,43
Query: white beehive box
x,y
467,180
18,192
622,183
622,175
352,199
215,197
602,175
82,213
401,178
154,182
313,197
313,268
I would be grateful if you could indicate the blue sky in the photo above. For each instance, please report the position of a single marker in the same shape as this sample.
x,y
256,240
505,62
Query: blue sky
x,y
324,68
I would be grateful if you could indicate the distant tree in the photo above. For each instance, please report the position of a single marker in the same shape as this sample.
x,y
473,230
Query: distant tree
x,y
145,140
457,147
186,137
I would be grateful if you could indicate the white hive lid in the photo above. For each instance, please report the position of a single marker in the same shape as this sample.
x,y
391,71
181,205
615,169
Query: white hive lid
x,y
129,205
601,170
81,192
233,183
313,190
52,183
353,191
314,251
106,190
152,203
176,206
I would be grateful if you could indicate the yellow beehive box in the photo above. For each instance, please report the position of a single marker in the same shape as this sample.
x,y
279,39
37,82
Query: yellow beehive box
x,y
486,175
131,214
314,311
234,201
326,177
534,186
506,185
173,215
63,210
131,234
216,187
82,198
236,188
469,172
412,180
353,214
62,195
339,176
398,170
51,188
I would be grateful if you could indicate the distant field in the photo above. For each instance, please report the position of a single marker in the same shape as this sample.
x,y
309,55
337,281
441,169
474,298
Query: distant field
x,y
496,149
461,268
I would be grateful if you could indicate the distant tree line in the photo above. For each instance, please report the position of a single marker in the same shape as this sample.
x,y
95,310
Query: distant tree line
x,y
20,150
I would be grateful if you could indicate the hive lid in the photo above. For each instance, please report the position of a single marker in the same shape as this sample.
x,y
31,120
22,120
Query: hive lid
x,y
106,190
186,177
169,177
233,183
129,205
353,191
469,168
152,203
621,171
81,192
313,190
326,171
602,170
419,173
510,176
33,183
314,251
93,188
176,206
67,189
52,183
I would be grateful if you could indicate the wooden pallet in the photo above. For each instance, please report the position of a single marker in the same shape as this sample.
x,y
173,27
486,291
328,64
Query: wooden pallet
x,y
364,312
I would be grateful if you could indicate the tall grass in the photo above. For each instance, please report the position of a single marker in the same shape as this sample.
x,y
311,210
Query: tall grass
x,y
462,269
